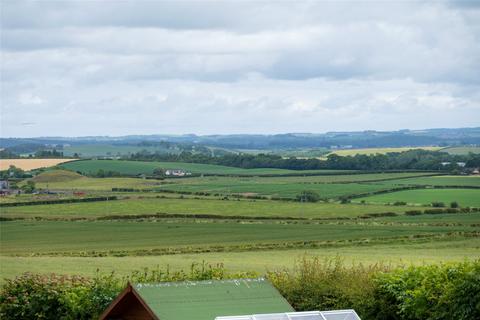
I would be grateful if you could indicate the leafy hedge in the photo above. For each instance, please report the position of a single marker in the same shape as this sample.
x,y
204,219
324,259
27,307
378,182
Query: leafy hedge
x,y
376,292
57,201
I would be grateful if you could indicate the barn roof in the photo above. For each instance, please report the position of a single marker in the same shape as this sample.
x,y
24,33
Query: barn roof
x,y
205,300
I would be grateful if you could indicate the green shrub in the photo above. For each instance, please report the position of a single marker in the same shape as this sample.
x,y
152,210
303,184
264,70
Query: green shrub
x,y
317,284
413,213
438,204
433,292
454,204
434,211
33,296
399,203
308,196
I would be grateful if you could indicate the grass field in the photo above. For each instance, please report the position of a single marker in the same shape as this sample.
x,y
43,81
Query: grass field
x,y
37,237
461,150
283,190
465,197
43,244
262,208
142,167
282,186
437,181
30,164
406,253
368,151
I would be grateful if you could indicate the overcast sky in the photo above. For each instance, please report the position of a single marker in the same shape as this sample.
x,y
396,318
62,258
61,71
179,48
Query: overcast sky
x,y
75,68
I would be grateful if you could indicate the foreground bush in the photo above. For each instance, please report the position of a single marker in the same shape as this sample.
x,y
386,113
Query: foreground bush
x,y
376,292
33,296
432,292
318,284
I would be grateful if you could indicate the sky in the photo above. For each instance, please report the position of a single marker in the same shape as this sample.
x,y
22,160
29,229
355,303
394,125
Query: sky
x,y
79,68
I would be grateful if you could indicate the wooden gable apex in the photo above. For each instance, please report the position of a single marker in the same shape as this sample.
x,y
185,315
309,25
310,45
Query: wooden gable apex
x,y
128,305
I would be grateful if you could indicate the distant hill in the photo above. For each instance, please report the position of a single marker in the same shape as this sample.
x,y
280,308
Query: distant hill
x,y
57,176
113,146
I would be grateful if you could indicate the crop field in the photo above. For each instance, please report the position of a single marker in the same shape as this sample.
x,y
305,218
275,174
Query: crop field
x,y
30,164
465,197
141,167
149,206
352,152
99,184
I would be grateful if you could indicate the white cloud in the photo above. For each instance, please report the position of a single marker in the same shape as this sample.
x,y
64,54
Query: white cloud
x,y
120,67
28,98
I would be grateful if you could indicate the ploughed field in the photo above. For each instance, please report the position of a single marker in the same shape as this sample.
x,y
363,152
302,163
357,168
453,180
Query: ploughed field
x,y
236,220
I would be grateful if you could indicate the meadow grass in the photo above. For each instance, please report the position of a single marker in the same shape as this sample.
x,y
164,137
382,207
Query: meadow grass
x,y
465,197
437,181
461,150
67,237
251,208
404,253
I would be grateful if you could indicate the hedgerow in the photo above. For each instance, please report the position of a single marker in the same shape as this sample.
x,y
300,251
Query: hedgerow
x,y
376,292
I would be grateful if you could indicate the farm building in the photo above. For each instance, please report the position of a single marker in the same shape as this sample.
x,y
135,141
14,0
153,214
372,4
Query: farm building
x,y
200,300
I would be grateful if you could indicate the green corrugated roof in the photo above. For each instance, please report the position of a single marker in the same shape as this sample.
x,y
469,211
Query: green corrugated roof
x,y
205,300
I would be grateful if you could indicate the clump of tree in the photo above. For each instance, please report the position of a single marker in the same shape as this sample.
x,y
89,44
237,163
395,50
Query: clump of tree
x,y
48,154
28,187
106,174
308,196
14,173
417,159
438,204
454,205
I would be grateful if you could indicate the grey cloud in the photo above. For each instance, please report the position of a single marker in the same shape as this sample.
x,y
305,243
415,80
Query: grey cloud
x,y
237,66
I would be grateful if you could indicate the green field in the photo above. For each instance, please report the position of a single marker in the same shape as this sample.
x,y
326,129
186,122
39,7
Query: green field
x,y
421,252
465,197
250,208
142,167
245,233
36,237
437,181
461,150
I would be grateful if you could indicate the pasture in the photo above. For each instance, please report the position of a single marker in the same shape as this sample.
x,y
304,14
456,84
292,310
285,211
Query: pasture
x,y
400,253
461,150
465,197
142,167
31,164
150,206
473,181
93,238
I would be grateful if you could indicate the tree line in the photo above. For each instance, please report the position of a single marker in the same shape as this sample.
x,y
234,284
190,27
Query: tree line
x,y
408,160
